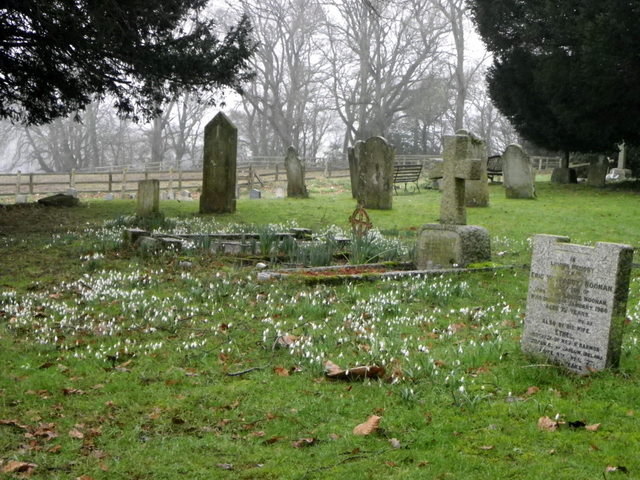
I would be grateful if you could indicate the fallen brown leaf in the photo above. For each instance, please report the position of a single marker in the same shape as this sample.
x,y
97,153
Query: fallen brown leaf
x,y
486,447
303,442
368,427
593,428
281,371
333,371
285,341
545,423
532,391
13,466
75,433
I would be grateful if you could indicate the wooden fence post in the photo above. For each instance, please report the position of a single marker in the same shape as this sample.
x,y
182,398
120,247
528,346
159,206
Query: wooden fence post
x,y
110,181
250,182
277,172
31,184
18,181
180,178
170,184
72,178
124,182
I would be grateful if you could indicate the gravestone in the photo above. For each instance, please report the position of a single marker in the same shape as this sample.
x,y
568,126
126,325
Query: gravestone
x,y
517,173
148,198
255,194
352,157
295,175
621,172
597,174
375,159
219,166
476,192
22,198
452,242
576,304
279,193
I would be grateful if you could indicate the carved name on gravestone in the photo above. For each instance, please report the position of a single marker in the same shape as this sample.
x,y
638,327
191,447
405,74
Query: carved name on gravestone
x,y
517,173
577,303
375,159
148,203
219,166
295,175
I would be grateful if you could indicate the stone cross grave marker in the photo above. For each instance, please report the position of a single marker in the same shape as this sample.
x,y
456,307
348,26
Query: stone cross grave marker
x,y
148,202
576,304
375,159
460,162
219,166
517,173
295,175
453,243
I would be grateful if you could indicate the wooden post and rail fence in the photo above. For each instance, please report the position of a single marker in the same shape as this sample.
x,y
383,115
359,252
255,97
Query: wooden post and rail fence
x,y
120,181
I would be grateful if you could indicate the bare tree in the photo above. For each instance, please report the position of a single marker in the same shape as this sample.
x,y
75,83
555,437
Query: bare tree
x,y
380,54
288,89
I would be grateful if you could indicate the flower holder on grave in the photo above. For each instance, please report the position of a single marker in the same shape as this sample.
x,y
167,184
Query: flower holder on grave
x,y
452,242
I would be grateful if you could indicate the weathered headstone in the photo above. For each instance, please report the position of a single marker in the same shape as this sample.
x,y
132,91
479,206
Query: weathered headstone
x,y
255,194
352,157
295,175
279,192
22,198
598,169
621,172
108,196
452,242
148,198
219,166
375,159
576,304
517,173
476,193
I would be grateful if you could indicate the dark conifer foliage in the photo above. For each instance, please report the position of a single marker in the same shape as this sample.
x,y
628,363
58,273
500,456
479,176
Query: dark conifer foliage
x,y
56,55
566,73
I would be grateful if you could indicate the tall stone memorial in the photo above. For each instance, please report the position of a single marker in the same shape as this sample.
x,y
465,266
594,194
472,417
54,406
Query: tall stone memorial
x,y
296,187
597,173
518,174
148,198
375,159
452,242
219,166
576,304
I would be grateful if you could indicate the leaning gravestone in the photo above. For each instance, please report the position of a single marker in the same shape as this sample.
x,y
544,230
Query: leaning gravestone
x,y
219,166
577,303
295,175
452,242
518,174
148,198
375,159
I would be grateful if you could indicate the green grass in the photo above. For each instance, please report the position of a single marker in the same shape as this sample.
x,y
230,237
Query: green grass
x,y
133,352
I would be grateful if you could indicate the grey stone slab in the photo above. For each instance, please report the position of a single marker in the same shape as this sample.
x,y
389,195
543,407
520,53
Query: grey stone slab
x,y
296,187
446,246
576,303
148,203
219,166
375,173
517,173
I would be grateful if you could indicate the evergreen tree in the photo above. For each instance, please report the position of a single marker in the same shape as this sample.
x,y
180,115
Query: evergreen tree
x,y
566,74
55,56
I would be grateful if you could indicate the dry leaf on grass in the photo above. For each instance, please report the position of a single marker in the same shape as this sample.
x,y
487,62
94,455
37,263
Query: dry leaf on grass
x,y
281,371
304,442
545,423
369,371
532,391
14,466
395,443
285,341
75,433
593,428
368,427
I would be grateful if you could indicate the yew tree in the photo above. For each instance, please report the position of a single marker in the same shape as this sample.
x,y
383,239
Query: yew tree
x,y
566,74
56,56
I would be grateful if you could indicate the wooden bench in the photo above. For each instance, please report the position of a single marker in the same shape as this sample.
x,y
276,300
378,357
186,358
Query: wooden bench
x,y
406,173
494,167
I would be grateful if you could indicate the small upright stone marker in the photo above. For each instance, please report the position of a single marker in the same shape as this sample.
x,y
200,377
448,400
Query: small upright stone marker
x,y
577,303
219,166
597,173
517,173
375,159
295,175
148,198
452,242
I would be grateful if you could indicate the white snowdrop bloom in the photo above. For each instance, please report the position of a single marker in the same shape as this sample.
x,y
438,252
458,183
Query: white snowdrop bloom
x,y
461,388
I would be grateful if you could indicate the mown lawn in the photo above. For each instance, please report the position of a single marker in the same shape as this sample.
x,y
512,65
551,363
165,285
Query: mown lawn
x,y
117,363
